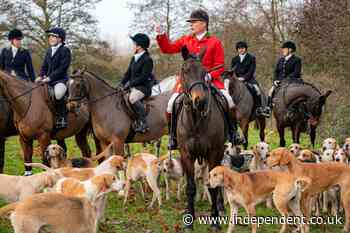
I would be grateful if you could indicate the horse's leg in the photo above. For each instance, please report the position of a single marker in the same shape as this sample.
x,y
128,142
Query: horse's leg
x,y
127,148
44,141
118,146
312,135
245,127
27,148
215,160
62,144
280,128
158,144
2,154
297,134
97,145
82,142
188,166
294,133
262,125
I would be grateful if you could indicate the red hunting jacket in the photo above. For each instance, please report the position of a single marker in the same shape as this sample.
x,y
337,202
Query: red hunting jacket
x,y
213,58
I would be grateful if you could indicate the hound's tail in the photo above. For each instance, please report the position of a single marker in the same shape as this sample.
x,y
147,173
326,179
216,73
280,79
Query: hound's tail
x,y
8,208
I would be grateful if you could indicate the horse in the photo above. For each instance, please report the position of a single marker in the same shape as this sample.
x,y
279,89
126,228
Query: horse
x,y
298,105
110,115
33,117
201,130
7,127
245,109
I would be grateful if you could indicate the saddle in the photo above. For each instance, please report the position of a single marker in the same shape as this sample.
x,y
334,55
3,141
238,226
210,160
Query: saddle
x,y
130,110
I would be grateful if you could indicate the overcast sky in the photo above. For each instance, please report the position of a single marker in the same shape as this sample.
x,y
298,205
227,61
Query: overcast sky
x,y
114,19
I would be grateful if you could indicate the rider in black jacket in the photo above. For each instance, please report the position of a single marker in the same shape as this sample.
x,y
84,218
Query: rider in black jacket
x,y
244,65
288,67
139,79
16,60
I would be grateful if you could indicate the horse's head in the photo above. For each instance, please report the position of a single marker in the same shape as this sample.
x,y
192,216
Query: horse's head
x,y
193,79
315,107
78,88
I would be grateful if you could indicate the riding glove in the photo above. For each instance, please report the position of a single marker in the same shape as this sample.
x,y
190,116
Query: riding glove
x,y
276,83
241,79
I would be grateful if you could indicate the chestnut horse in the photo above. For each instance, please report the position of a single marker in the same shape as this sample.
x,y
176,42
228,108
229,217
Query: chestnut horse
x,y
34,119
110,120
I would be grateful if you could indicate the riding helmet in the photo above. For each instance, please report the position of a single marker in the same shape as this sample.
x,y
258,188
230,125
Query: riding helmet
x,y
241,44
199,15
57,32
141,40
15,34
289,45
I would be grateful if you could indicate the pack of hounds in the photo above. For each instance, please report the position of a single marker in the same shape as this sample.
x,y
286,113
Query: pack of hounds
x,y
71,194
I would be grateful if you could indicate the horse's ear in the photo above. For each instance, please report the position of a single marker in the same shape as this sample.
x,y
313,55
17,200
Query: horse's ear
x,y
185,53
324,97
202,53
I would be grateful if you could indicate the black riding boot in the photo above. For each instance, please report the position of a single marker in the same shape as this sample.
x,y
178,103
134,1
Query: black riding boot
x,y
172,145
62,112
233,135
262,110
141,124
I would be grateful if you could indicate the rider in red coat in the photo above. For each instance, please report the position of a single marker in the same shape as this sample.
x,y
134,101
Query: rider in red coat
x,y
213,61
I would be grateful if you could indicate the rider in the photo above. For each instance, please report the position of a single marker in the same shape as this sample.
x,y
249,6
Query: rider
x,y
213,61
288,67
16,60
139,79
54,71
244,65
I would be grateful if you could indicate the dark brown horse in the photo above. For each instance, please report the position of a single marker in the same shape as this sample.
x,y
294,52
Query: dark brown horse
x,y
109,116
33,117
298,105
245,109
201,129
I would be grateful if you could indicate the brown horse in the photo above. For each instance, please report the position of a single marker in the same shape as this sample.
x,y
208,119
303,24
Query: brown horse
x,y
7,127
33,117
245,110
109,115
201,130
298,105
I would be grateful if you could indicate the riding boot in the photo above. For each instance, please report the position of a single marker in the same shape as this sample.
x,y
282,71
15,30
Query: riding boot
x,y
172,145
233,135
62,112
262,110
141,124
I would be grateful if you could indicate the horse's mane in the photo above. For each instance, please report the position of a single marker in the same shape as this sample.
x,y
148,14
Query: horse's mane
x,y
98,78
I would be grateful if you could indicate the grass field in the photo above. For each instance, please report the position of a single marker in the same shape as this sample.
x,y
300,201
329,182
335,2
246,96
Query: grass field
x,y
135,217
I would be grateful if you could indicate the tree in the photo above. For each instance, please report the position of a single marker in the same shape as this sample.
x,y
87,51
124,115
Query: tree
x,y
34,17
171,13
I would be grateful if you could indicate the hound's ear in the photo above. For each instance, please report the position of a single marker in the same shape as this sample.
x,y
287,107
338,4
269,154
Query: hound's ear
x,y
46,154
50,181
324,97
63,153
185,53
286,156
228,181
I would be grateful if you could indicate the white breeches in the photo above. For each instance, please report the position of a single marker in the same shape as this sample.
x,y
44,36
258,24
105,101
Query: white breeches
x,y
60,90
135,95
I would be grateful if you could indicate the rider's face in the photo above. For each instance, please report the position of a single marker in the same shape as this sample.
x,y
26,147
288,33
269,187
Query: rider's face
x,y
16,42
285,52
137,48
53,40
242,51
198,27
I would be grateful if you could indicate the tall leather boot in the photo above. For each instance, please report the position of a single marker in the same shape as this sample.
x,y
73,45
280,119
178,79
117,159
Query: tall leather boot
x,y
62,113
141,124
172,145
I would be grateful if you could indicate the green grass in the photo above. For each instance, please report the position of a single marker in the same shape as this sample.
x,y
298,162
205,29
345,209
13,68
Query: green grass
x,y
135,217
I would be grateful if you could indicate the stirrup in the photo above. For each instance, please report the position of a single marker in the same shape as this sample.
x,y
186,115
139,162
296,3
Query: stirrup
x,y
141,127
61,123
